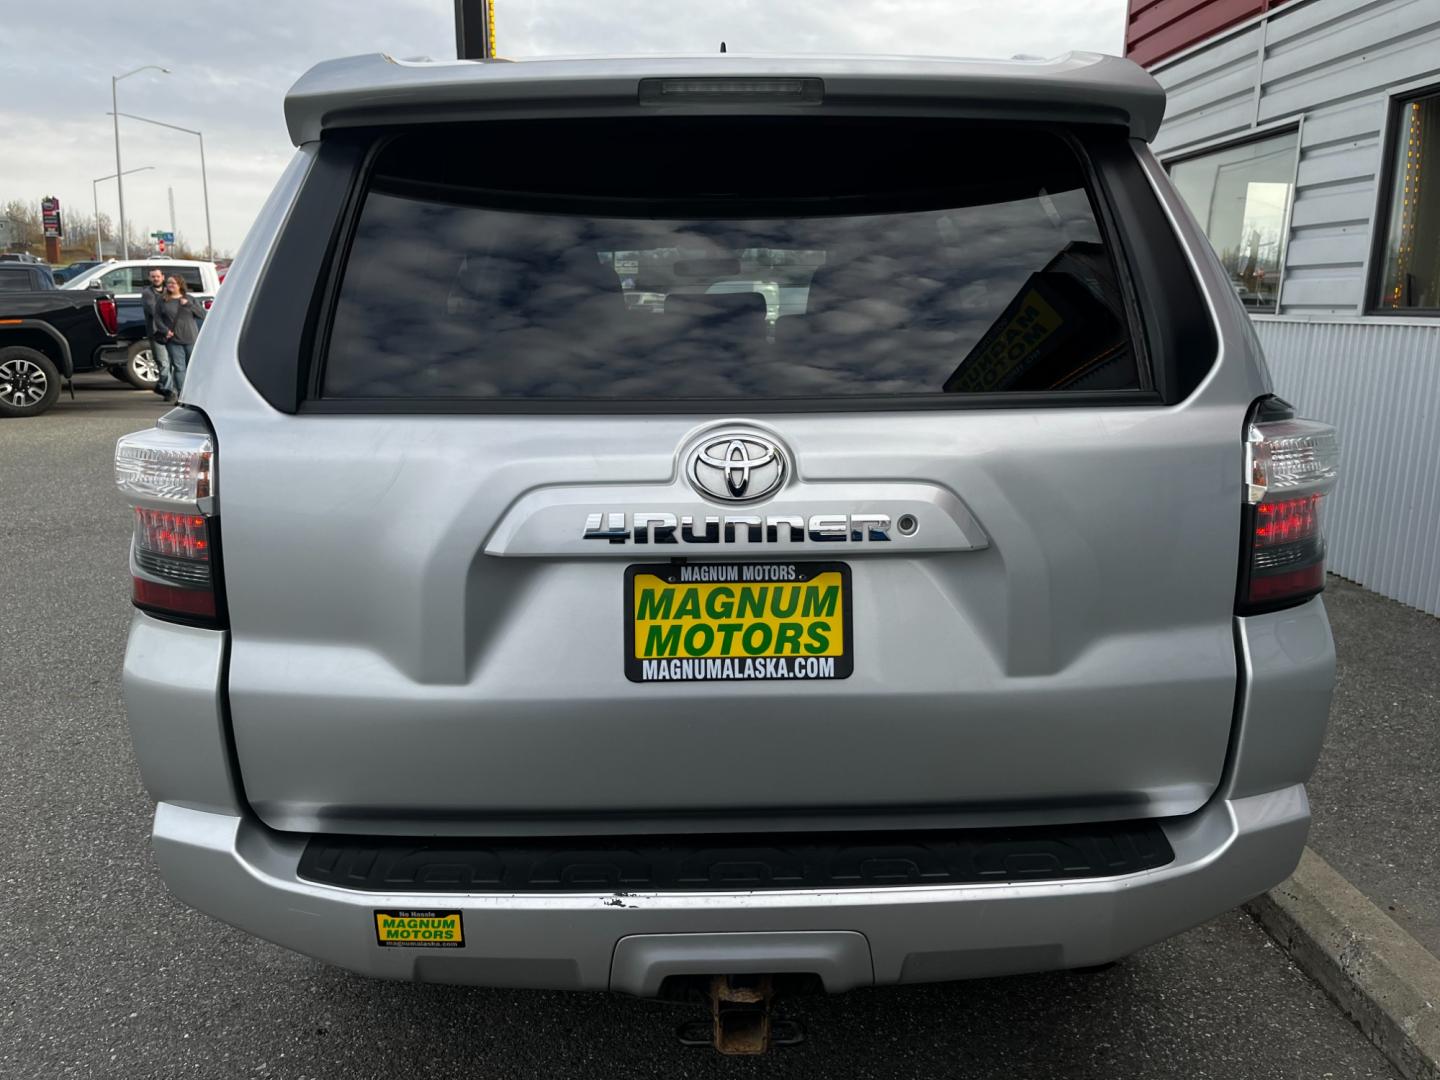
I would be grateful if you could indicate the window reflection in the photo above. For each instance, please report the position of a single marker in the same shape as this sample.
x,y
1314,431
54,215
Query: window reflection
x,y
1241,196
1002,286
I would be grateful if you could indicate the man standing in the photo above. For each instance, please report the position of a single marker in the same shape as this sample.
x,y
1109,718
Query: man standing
x,y
155,333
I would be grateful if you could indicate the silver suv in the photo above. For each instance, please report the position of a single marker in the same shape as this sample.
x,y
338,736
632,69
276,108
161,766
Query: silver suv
x,y
635,520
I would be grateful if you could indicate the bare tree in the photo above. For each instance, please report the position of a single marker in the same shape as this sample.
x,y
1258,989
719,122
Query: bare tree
x,y
24,217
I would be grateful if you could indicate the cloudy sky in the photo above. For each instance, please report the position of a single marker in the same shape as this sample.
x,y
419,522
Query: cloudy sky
x,y
232,64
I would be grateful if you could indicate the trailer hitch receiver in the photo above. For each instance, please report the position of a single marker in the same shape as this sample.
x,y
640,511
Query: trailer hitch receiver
x,y
740,1013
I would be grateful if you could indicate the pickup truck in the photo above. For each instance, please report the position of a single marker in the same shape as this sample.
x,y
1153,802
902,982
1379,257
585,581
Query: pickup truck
x,y
46,336
18,276
126,280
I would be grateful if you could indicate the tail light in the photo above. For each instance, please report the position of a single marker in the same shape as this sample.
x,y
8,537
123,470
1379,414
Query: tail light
x,y
1291,466
209,302
108,319
168,475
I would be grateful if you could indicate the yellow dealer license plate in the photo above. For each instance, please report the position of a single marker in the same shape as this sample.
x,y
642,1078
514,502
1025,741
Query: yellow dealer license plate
x,y
688,622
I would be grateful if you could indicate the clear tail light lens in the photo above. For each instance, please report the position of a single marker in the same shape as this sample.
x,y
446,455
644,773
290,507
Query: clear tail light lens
x,y
165,467
168,475
1291,466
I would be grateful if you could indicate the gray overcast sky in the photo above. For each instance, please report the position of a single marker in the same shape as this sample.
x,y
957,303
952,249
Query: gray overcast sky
x,y
233,62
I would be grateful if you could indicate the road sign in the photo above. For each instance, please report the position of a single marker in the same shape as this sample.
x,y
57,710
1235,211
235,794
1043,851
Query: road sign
x,y
163,237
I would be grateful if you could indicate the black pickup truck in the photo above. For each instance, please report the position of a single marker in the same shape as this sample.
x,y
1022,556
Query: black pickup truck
x,y
46,336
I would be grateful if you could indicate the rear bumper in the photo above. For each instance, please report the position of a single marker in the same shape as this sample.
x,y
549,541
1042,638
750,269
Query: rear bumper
x,y
237,870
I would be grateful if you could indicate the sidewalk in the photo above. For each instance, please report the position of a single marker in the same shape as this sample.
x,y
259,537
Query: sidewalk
x,y
1376,794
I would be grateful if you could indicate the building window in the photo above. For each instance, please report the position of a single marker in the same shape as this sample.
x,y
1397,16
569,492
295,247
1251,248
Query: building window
x,y
1241,197
1410,265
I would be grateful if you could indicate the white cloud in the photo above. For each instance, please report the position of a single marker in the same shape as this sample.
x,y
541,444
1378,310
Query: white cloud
x,y
232,64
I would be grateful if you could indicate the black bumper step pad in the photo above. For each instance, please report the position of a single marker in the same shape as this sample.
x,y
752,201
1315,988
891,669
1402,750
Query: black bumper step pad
x,y
701,862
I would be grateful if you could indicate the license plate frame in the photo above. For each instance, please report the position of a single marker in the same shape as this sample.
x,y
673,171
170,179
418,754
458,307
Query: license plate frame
x,y
767,665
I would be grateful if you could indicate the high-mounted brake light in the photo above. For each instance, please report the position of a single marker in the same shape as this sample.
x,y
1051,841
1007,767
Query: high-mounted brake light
x,y
1290,466
168,475
726,89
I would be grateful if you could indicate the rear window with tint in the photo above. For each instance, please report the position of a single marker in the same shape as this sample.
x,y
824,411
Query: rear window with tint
x,y
654,261
16,279
188,274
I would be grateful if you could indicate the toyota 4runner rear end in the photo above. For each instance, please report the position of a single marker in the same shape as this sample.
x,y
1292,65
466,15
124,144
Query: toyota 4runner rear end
x,y
637,519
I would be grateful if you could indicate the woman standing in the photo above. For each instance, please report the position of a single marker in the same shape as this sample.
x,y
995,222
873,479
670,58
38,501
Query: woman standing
x,y
178,319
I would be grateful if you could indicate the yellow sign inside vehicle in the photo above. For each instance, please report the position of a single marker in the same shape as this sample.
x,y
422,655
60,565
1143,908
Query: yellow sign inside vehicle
x,y
737,621
408,929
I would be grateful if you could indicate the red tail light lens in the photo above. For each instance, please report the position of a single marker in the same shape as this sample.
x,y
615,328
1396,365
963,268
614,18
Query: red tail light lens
x,y
1287,551
173,600
1289,522
209,302
108,318
1291,467
171,535
172,549
1286,586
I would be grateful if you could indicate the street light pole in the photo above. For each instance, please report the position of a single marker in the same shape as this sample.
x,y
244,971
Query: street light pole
x,y
120,169
95,195
204,181
205,190
119,172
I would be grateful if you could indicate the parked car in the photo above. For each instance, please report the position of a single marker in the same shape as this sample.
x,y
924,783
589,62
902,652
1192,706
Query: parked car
x,y
20,257
74,269
125,279
25,277
965,622
46,336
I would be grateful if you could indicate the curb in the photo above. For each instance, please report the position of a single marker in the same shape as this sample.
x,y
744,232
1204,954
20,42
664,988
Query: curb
x,y
1382,978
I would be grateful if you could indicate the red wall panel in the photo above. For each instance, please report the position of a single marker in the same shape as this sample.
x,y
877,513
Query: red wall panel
x,y
1157,28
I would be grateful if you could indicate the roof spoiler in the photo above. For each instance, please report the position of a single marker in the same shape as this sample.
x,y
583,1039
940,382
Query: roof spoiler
x,y
365,91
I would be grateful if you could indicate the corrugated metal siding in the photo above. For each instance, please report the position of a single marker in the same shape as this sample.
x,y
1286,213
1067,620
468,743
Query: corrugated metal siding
x,y
1158,28
1334,62
1379,385
1210,93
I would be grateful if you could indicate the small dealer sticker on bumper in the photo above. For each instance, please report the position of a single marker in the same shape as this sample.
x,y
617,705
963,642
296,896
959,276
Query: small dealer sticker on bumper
x,y
420,929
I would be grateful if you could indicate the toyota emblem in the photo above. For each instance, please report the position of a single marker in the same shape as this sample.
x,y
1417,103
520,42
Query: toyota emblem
x,y
737,466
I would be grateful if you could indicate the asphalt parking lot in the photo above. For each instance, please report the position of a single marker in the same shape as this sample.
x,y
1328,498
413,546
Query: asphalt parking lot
x,y
1378,783
103,975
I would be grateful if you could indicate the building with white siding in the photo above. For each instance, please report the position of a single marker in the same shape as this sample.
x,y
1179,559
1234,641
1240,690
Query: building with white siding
x,y
1305,136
